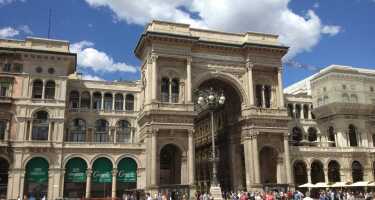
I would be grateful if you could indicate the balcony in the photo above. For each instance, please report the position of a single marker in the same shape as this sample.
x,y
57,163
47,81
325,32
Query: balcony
x,y
266,112
102,111
305,149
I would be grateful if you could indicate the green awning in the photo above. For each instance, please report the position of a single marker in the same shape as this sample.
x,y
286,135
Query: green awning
x,y
127,171
37,170
102,171
75,170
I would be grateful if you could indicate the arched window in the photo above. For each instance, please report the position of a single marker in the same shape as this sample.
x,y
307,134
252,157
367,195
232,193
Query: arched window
x,y
3,127
258,95
50,90
305,111
353,141
312,137
37,89
77,130
298,111
175,90
129,102
74,99
164,90
325,100
97,101
300,173
85,100
119,102
297,135
331,136
101,131
40,126
267,96
290,110
354,98
345,98
317,172
108,99
357,171
333,172
123,131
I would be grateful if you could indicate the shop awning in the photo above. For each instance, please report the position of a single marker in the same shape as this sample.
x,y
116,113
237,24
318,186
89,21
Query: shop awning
x,y
307,185
127,171
75,170
37,170
102,171
360,184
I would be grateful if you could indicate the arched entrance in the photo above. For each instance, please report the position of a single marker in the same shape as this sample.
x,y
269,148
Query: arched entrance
x,y
268,160
317,172
75,178
300,173
101,180
170,165
4,171
126,176
333,171
229,151
357,171
36,181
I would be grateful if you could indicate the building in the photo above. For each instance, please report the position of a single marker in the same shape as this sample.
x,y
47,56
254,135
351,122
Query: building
x,y
63,136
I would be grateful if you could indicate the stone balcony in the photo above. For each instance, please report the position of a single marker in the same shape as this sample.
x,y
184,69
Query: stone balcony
x,y
103,111
319,149
265,112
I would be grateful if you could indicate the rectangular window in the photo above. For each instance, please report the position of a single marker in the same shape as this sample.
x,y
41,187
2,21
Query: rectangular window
x,y
258,95
4,89
6,67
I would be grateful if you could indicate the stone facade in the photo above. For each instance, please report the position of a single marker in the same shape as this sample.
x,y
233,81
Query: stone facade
x,y
62,136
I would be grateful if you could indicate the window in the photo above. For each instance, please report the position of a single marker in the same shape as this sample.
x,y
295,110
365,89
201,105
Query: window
x,y
119,102
324,89
298,111
320,101
50,90
4,89
97,101
108,99
123,131
371,89
312,137
175,90
331,136
85,100
164,90
325,100
7,67
37,89
129,102
267,96
258,95
354,98
101,131
17,67
39,70
305,111
290,110
74,99
3,127
345,98
40,126
51,70
344,87
357,171
297,135
353,136
77,130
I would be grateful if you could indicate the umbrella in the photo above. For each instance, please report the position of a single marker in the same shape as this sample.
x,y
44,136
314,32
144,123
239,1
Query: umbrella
x,y
371,184
321,185
360,184
339,184
307,185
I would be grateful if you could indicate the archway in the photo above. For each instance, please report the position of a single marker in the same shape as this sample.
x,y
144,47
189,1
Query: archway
x,y
4,170
300,173
36,181
268,159
170,165
317,172
101,180
75,178
357,171
230,157
334,171
126,176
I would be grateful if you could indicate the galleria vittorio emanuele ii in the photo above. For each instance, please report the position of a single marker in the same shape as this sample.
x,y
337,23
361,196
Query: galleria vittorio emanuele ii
x,y
208,114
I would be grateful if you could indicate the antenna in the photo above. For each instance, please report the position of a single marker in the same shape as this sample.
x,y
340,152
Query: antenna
x,y
49,23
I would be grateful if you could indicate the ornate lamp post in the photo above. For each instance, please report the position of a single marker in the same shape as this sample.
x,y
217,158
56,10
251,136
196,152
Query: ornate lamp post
x,y
211,100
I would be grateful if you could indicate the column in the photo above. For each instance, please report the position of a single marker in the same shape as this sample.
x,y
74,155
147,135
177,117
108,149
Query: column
x,y
191,157
91,100
301,112
263,97
113,101
31,130
79,100
188,78
49,131
154,76
256,159
102,106
115,136
88,183
287,159
280,81
114,181
170,90
308,169
250,81
131,134
248,163
326,174
44,88
123,102
7,131
279,169
153,158
294,111
309,109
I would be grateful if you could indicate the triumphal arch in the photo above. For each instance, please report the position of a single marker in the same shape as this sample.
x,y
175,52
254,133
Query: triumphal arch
x,y
251,132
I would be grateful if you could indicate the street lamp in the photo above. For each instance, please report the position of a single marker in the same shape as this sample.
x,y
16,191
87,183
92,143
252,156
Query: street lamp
x,y
211,100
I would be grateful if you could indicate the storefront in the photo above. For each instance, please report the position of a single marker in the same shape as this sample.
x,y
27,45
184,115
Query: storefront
x,y
101,184
36,181
75,178
126,177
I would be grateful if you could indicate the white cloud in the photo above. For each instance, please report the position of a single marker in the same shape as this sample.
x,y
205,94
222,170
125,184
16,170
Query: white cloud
x,y
8,32
316,5
301,33
4,2
89,57
331,30
92,77
26,29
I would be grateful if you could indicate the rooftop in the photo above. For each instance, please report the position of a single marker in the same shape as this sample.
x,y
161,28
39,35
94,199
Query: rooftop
x,y
36,43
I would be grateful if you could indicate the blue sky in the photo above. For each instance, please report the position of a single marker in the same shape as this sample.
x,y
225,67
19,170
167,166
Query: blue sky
x,y
105,32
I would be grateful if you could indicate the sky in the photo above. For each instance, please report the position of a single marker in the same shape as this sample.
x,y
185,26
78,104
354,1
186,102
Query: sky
x,y
104,33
